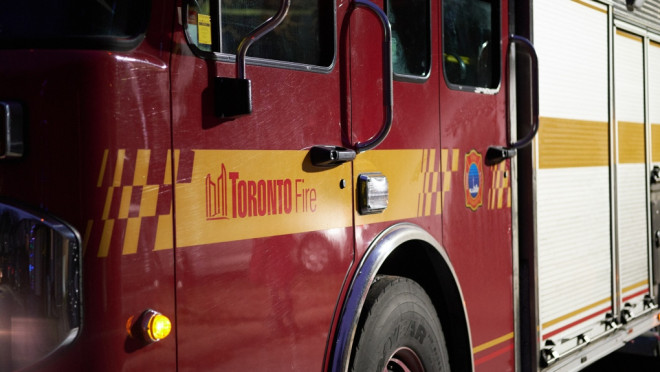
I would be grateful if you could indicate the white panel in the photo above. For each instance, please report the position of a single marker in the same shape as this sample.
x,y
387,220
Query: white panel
x,y
632,224
629,79
574,240
573,204
631,178
654,83
571,42
654,94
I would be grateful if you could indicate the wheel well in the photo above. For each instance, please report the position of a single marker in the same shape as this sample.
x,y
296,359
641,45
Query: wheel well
x,y
422,263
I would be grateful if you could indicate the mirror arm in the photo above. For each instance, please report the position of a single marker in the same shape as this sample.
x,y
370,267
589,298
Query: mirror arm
x,y
269,25
233,96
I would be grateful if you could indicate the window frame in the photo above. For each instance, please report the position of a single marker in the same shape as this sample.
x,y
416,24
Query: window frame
x,y
470,88
409,78
257,61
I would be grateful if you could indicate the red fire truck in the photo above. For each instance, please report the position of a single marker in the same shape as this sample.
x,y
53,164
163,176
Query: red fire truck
x,y
347,185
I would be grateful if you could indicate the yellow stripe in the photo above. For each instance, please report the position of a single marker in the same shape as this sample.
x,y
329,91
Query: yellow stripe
x,y
119,167
149,200
164,233
132,236
592,306
567,143
168,168
444,159
125,203
108,203
492,343
655,142
104,247
438,202
403,168
454,160
634,286
654,44
628,35
576,312
141,167
631,142
592,6
104,162
427,207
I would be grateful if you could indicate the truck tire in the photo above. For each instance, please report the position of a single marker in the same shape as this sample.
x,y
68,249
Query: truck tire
x,y
399,330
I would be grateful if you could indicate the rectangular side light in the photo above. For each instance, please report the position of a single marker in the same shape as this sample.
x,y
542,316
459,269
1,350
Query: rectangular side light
x,y
373,193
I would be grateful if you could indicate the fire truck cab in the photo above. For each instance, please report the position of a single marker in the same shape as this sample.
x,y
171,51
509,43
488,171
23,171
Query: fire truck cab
x,y
347,185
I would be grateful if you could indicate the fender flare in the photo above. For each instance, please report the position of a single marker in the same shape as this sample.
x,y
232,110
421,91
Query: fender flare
x,y
379,250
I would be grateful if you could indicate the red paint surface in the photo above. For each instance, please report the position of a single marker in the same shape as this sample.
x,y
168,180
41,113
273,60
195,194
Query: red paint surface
x,y
256,304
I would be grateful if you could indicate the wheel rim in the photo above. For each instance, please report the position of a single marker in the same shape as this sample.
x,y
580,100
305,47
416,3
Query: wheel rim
x,y
404,360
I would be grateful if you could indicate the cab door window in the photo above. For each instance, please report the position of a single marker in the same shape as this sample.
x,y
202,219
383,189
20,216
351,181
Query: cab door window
x,y
411,37
306,36
471,48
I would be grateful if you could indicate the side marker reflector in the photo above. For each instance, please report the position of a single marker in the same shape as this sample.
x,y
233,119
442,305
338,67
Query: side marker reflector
x,y
149,327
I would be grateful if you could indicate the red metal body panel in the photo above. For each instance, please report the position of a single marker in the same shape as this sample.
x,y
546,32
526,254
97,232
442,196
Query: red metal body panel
x,y
126,147
264,303
479,241
80,105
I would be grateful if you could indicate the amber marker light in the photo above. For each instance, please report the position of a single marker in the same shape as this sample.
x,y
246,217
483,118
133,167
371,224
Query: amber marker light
x,y
151,326
159,327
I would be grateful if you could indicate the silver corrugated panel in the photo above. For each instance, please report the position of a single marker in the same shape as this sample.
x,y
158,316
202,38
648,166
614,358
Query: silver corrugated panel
x,y
648,16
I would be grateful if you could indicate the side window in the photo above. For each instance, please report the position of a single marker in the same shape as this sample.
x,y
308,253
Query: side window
x,y
411,40
471,47
306,36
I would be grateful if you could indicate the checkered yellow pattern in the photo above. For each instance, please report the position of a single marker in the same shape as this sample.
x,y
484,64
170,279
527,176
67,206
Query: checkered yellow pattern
x,y
134,210
499,195
437,168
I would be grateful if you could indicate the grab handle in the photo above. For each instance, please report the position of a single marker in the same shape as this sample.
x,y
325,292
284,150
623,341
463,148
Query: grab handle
x,y
497,154
387,77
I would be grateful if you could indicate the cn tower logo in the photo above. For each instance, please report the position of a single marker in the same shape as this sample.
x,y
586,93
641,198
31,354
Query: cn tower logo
x,y
230,196
216,196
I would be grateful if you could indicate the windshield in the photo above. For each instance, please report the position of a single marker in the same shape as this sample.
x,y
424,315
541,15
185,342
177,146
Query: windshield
x,y
72,23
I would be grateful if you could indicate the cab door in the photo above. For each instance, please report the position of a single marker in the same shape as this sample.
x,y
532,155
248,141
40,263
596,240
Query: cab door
x,y
477,229
410,157
263,236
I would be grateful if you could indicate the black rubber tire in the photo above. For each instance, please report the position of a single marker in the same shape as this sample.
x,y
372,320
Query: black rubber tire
x,y
398,314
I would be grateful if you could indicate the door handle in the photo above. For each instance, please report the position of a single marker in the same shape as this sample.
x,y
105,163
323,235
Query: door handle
x,y
330,156
497,154
387,77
